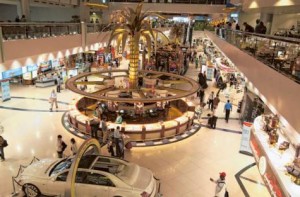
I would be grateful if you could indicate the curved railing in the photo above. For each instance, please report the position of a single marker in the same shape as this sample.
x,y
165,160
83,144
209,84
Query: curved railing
x,y
280,53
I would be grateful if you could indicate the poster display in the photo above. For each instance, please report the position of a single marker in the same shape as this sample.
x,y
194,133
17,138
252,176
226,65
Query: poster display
x,y
5,90
27,76
245,141
45,66
210,73
55,63
34,74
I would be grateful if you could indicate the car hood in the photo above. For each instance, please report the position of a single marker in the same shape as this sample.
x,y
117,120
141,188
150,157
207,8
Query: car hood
x,y
136,176
39,169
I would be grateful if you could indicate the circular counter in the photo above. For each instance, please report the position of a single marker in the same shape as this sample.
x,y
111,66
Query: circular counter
x,y
136,131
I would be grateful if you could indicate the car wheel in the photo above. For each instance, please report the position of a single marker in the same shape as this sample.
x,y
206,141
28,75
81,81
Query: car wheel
x,y
31,190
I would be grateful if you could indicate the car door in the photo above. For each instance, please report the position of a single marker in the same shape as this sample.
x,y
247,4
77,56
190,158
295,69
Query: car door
x,y
122,192
56,186
90,184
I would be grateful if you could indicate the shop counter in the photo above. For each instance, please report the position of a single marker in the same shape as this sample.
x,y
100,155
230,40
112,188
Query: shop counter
x,y
271,161
45,83
137,132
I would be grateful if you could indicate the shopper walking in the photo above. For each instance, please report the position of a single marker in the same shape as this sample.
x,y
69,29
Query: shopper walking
x,y
216,102
221,188
103,127
74,148
117,137
23,19
58,84
60,147
201,95
3,144
202,80
213,122
196,62
227,109
210,101
111,143
94,123
119,119
53,99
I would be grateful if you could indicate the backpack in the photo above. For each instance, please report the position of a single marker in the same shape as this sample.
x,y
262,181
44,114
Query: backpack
x,y
64,146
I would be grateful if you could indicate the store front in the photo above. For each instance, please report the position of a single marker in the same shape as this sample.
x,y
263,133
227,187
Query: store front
x,y
15,75
30,75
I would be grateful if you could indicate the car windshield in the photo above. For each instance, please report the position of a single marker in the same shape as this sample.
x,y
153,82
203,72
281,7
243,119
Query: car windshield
x,y
65,164
61,166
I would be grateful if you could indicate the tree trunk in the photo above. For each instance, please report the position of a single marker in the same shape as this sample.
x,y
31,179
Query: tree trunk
x,y
133,67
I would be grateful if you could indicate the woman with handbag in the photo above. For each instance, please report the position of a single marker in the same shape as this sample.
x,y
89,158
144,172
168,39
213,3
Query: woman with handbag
x,y
3,144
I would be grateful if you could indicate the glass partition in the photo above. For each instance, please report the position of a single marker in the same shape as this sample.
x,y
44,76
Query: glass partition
x,y
280,53
14,31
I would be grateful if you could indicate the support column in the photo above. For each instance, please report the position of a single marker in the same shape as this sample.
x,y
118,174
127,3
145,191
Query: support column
x,y
267,19
83,35
1,46
25,9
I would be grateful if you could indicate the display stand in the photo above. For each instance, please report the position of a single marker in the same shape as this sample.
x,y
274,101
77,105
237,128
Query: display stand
x,y
5,89
272,162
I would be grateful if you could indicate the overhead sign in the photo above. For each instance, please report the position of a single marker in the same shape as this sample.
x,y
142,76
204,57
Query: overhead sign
x,y
5,90
12,73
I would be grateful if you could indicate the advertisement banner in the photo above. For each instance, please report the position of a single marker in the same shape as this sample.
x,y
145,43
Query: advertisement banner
x,y
31,68
5,90
12,73
245,141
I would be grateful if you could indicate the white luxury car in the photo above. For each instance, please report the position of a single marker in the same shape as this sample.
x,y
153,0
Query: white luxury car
x,y
96,176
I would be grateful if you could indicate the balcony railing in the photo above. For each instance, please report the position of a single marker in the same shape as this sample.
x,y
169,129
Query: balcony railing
x,y
15,31
280,53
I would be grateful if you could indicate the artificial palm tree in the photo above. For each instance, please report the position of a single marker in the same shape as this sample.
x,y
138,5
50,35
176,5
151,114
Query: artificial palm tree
x,y
176,33
135,26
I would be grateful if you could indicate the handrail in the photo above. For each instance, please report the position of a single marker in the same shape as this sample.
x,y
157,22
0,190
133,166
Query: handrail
x,y
279,53
279,38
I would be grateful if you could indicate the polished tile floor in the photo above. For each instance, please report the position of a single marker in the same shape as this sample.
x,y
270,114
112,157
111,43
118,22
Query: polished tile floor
x,y
184,168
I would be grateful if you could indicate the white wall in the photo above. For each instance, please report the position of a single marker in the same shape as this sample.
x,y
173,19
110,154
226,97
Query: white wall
x,y
254,4
53,13
8,12
284,21
250,18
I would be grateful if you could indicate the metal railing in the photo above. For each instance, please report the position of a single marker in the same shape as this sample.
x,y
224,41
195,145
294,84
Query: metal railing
x,y
280,53
15,31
